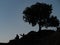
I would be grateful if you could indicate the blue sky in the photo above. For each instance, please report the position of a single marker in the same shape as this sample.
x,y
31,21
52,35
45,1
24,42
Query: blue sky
x,y
11,21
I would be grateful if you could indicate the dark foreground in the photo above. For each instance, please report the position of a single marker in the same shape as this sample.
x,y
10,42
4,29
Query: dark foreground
x,y
43,37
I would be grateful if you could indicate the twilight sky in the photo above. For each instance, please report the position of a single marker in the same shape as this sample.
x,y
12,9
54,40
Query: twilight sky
x,y
11,21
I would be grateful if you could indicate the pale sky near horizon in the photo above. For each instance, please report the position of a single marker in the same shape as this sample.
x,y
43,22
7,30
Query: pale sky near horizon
x,y
11,17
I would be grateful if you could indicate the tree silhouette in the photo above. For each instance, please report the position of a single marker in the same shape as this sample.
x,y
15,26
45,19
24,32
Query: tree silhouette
x,y
54,21
37,14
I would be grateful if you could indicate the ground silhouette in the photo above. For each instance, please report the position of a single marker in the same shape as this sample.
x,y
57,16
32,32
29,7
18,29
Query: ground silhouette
x,y
44,37
32,38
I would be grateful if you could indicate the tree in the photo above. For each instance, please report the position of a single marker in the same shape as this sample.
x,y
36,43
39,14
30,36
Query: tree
x,y
38,13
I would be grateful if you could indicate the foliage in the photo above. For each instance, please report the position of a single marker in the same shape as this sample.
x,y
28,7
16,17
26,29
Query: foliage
x,y
54,21
39,13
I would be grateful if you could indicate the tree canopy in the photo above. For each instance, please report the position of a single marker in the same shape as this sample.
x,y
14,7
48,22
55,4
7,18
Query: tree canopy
x,y
39,13
54,21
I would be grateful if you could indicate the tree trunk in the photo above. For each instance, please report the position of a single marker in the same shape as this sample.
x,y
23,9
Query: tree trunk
x,y
39,28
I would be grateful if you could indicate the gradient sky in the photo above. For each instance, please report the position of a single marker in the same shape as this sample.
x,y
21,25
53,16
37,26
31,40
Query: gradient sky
x,y
11,21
